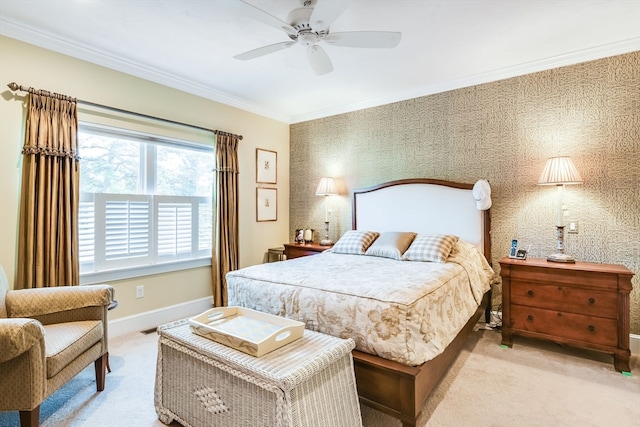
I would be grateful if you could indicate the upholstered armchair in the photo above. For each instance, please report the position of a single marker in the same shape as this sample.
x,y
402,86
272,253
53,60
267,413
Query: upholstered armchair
x,y
47,336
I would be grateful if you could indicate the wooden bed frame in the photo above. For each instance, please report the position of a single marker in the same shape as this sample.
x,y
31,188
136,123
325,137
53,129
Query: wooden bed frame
x,y
428,206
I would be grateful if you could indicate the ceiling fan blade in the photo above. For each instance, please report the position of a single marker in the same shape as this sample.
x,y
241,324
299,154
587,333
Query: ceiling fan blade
x,y
325,12
264,50
319,60
266,18
372,39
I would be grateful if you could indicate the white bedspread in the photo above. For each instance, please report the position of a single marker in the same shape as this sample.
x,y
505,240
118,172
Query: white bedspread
x,y
399,310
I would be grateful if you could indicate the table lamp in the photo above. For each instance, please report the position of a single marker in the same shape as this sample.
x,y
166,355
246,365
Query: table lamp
x,y
560,171
326,188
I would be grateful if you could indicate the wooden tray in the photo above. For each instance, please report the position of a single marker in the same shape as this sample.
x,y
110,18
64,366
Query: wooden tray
x,y
246,330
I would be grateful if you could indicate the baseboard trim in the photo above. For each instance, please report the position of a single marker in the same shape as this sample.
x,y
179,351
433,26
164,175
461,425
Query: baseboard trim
x,y
153,318
634,343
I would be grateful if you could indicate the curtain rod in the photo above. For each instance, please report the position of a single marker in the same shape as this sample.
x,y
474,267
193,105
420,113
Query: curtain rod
x,y
15,87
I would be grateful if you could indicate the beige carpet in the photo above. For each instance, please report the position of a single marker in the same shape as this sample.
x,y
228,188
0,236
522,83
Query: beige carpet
x,y
533,384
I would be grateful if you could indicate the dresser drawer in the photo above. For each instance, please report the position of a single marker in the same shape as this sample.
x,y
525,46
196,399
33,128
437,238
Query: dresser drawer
x,y
297,250
297,253
565,325
565,298
579,278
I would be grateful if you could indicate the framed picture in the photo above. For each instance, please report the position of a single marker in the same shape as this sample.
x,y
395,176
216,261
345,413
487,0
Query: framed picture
x,y
266,204
266,166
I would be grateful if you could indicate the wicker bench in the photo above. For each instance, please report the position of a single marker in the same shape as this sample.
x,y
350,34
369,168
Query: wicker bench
x,y
309,382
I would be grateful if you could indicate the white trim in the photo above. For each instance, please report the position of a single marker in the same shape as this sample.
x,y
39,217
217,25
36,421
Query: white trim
x,y
634,344
153,318
585,55
75,49
129,273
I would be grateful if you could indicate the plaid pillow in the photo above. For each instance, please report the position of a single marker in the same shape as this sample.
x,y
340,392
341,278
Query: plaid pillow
x,y
391,244
354,242
430,247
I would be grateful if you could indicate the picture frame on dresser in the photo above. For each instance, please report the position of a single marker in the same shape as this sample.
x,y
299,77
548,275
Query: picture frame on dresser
x,y
266,204
266,166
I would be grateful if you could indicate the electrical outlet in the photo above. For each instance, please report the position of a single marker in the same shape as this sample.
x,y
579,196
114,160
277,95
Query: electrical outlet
x,y
140,291
573,227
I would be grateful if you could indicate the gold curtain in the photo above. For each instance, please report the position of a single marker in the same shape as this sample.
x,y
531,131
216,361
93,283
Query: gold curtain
x,y
48,229
226,252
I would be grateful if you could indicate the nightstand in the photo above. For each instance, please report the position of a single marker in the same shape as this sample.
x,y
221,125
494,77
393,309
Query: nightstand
x,y
297,250
275,254
583,304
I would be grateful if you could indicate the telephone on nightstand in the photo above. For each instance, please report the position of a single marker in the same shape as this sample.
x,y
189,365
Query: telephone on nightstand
x,y
517,253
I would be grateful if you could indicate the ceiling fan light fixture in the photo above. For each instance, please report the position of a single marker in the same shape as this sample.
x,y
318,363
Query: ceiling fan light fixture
x,y
307,38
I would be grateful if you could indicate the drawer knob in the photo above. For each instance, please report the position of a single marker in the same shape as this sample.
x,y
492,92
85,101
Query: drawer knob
x,y
591,328
530,318
530,292
592,300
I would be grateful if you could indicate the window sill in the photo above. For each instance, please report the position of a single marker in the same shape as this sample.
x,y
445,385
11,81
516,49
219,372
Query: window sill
x,y
129,273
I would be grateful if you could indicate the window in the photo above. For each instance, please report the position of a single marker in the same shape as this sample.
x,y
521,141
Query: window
x,y
145,202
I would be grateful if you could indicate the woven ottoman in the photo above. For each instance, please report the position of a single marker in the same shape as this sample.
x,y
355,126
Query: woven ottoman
x,y
309,382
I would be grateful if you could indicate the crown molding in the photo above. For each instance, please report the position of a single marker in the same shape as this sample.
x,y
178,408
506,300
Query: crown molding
x,y
106,59
128,66
591,54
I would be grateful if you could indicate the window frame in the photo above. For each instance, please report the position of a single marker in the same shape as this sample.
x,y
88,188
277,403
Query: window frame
x,y
158,265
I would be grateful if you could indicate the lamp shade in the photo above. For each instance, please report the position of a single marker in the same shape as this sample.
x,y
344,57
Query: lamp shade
x,y
559,171
326,187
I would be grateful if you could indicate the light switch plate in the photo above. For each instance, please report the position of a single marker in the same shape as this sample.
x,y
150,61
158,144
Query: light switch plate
x,y
573,227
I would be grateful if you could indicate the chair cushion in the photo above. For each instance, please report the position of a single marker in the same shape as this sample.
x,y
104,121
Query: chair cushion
x,y
66,341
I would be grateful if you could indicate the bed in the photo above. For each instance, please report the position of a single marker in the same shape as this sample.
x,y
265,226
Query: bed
x,y
409,319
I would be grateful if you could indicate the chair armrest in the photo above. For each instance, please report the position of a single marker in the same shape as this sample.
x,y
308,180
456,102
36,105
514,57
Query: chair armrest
x,y
18,336
41,301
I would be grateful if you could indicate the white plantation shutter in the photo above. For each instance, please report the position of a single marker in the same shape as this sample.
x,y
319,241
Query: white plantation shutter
x,y
86,232
182,229
126,226
175,224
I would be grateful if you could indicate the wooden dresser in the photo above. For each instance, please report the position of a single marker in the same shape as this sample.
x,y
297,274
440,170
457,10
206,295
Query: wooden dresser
x,y
297,250
582,304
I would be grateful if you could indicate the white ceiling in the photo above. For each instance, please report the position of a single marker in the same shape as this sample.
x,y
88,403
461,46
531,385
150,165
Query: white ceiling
x,y
446,44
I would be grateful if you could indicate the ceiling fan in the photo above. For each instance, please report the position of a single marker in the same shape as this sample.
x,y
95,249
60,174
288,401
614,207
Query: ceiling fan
x,y
309,25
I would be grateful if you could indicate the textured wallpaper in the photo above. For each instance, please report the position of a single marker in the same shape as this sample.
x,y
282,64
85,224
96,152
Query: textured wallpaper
x,y
503,132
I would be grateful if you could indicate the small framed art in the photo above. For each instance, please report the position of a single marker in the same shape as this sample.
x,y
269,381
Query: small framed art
x,y
266,204
266,166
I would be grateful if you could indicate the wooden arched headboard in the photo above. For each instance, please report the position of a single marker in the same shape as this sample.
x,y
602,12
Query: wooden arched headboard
x,y
423,206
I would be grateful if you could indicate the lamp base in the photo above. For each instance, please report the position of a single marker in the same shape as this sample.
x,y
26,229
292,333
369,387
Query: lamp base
x,y
560,256
568,259
326,241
